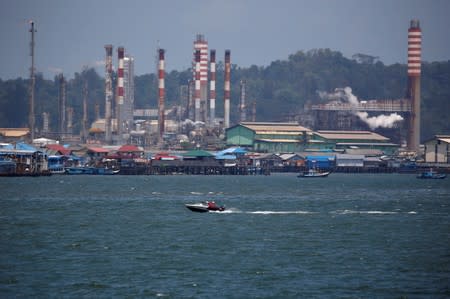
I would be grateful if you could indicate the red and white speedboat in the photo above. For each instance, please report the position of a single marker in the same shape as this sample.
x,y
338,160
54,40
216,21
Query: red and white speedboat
x,y
206,206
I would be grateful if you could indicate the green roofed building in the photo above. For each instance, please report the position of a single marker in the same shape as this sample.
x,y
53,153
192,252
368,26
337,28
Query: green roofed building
x,y
268,137
291,137
342,140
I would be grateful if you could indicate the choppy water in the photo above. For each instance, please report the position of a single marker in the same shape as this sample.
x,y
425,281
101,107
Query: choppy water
x,y
348,235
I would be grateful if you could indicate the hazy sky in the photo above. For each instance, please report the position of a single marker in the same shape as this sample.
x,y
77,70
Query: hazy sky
x,y
72,34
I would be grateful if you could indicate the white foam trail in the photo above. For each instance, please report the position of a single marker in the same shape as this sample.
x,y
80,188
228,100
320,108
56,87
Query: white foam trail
x,y
279,212
344,212
196,193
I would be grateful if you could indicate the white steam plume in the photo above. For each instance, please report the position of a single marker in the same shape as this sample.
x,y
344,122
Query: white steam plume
x,y
383,121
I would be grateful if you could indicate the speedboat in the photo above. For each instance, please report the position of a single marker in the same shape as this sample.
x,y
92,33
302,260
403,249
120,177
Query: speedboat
x,y
206,206
313,173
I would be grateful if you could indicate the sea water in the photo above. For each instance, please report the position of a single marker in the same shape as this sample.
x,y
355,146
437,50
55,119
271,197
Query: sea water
x,y
348,235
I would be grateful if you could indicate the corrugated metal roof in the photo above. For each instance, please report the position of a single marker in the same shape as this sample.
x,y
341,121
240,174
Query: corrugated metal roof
x,y
14,132
262,127
366,144
355,135
278,140
445,139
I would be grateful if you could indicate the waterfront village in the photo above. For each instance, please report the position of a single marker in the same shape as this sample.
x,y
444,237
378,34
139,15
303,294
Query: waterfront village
x,y
249,148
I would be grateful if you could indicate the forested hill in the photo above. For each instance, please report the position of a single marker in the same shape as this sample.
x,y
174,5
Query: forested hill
x,y
279,89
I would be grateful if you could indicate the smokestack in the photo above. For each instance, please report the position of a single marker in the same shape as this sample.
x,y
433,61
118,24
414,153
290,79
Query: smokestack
x,y
161,121
69,120
62,106
108,93
254,111
120,54
201,44
197,85
226,117
97,111
84,125
414,66
242,107
212,92
45,122
190,101
31,117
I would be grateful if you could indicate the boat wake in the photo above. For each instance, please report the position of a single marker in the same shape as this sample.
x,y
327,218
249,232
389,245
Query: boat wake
x,y
280,212
300,212
237,211
345,212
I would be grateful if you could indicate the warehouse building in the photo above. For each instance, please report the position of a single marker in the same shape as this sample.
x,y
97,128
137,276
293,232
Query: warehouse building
x,y
268,137
437,150
343,140
292,138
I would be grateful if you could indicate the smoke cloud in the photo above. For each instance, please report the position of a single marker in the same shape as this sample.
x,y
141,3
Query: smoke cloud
x,y
383,121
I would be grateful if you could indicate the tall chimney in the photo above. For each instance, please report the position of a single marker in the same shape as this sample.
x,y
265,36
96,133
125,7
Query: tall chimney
x,y
108,93
197,86
84,124
69,120
212,86
226,109
254,111
190,101
242,107
201,44
62,106
414,66
31,116
45,122
120,54
161,67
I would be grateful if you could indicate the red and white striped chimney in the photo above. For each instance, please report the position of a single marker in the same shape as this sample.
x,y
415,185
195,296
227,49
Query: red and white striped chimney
x,y
197,86
414,48
120,53
201,44
212,91
161,67
414,67
226,116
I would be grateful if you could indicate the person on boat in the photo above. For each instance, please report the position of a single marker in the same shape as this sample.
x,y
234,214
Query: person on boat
x,y
212,205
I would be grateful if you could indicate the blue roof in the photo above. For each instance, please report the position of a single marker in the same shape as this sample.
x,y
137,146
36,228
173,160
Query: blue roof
x,y
232,150
25,147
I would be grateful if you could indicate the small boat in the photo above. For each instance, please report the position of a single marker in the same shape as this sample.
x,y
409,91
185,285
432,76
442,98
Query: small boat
x,y
203,207
313,173
91,170
431,174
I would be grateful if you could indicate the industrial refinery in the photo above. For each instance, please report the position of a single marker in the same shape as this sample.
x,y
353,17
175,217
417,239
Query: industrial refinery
x,y
341,124
195,119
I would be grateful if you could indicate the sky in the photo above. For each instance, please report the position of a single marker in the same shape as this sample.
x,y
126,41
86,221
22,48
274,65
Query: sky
x,y
71,35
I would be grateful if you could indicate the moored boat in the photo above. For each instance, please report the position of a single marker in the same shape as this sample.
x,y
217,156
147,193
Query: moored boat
x,y
91,170
313,173
431,174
